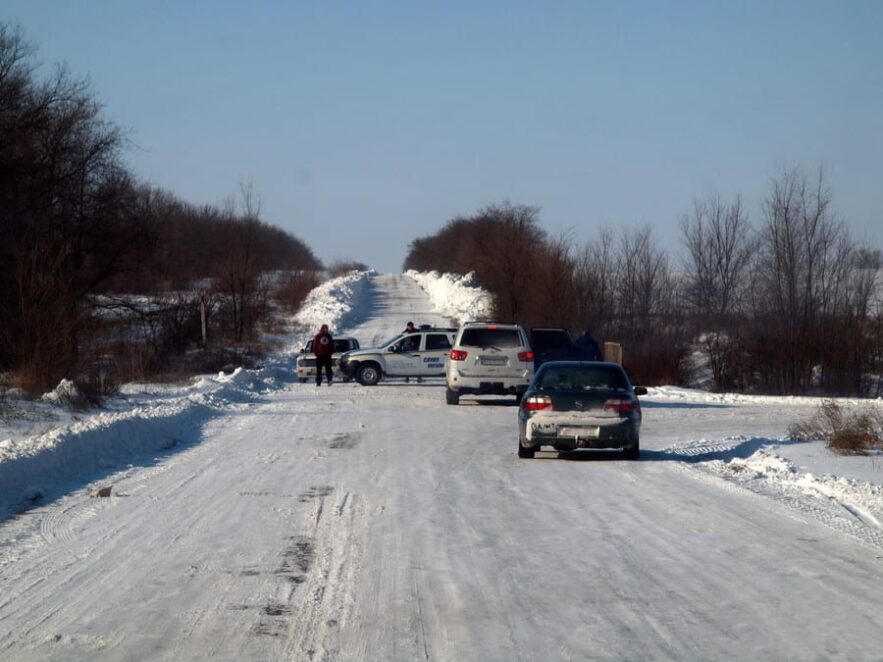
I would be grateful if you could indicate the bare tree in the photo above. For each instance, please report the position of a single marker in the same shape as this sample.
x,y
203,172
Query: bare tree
x,y
594,275
61,189
647,319
553,283
241,272
806,282
719,249
510,253
644,285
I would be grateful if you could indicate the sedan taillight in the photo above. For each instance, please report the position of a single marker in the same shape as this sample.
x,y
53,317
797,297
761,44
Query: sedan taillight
x,y
458,355
619,406
537,403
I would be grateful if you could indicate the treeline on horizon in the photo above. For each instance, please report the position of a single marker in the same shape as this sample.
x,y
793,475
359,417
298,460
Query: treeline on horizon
x,y
784,304
75,223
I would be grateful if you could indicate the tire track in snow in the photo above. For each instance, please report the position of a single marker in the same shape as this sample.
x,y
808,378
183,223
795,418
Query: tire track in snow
x,y
326,601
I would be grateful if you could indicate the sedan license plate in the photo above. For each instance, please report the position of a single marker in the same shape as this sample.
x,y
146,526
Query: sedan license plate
x,y
588,432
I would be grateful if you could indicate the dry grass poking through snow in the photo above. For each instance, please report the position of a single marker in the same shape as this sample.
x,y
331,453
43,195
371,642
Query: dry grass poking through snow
x,y
848,431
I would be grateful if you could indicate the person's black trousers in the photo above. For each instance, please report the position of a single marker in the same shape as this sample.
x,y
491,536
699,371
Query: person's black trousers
x,y
323,361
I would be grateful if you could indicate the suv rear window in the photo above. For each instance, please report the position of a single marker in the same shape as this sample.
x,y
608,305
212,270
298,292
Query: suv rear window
x,y
501,338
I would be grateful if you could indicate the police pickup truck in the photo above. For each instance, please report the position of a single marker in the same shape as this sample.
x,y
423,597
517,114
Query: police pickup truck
x,y
419,353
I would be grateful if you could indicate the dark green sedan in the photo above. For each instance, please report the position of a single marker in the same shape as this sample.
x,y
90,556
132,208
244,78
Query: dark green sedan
x,y
580,404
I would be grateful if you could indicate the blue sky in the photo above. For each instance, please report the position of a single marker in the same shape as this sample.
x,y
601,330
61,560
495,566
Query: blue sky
x,y
365,125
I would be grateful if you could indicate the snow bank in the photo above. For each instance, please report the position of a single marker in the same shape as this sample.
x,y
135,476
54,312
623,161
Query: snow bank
x,y
768,467
688,395
149,419
43,466
335,302
65,394
454,295
846,504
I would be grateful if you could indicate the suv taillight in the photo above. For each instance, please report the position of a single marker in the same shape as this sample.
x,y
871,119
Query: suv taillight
x,y
619,406
526,356
458,355
537,403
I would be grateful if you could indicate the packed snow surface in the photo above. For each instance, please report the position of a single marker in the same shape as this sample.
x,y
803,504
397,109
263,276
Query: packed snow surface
x,y
253,517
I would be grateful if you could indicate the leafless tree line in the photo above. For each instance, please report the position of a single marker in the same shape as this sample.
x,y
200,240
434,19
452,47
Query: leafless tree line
x,y
75,224
789,304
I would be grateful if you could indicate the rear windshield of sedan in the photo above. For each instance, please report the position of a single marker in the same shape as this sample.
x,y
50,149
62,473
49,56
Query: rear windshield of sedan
x,y
581,378
501,338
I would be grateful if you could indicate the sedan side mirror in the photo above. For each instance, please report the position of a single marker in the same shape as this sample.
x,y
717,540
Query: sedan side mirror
x,y
640,390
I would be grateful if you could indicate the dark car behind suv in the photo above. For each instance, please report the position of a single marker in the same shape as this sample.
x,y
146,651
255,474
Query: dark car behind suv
x,y
553,344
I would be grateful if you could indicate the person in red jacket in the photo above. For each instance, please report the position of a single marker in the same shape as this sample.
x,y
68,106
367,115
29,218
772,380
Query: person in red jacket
x,y
323,348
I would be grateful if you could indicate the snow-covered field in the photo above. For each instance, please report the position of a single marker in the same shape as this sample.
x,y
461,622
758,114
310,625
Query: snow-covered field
x,y
253,517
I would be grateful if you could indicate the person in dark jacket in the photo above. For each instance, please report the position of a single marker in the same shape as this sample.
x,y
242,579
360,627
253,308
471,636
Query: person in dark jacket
x,y
323,348
589,346
410,328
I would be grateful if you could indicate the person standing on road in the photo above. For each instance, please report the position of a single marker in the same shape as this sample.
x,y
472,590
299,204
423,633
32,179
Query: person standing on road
x,y
409,328
589,346
323,348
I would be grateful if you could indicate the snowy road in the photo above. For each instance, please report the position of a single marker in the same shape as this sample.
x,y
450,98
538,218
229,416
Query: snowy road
x,y
353,523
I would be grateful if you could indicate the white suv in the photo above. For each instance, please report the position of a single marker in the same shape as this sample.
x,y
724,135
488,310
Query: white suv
x,y
489,358
415,354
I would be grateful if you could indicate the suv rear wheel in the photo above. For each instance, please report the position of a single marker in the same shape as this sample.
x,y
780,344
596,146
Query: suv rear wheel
x,y
452,397
368,374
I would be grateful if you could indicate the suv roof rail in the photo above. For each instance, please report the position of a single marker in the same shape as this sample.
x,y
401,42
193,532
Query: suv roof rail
x,y
489,321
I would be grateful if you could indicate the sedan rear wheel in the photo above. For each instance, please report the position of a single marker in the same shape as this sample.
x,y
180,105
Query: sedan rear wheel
x,y
632,452
526,453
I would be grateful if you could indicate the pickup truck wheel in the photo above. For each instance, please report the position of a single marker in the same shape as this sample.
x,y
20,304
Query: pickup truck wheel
x,y
452,397
369,374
